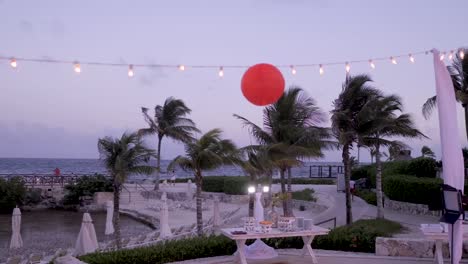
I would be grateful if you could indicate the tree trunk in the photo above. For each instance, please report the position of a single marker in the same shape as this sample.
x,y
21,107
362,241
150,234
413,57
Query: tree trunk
x,y
347,174
116,216
158,164
465,107
251,196
289,200
283,192
378,181
198,180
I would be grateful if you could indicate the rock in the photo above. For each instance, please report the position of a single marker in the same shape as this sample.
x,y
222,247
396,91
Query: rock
x,y
68,259
404,247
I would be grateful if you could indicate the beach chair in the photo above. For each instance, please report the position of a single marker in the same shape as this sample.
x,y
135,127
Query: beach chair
x,y
14,260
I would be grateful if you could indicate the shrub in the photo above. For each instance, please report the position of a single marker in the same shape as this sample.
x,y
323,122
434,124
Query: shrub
x,y
412,189
367,195
235,185
304,195
170,251
358,237
86,186
213,184
12,193
308,181
367,172
33,196
423,167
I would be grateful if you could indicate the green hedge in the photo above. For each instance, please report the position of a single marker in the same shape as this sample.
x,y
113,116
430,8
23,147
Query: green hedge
x,y
358,237
12,193
86,186
317,181
226,184
367,195
170,251
411,189
304,195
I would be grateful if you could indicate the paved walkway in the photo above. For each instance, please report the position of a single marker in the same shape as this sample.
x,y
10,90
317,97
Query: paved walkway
x,y
292,256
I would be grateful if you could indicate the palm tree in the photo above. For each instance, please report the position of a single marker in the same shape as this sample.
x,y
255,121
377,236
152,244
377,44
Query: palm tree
x,y
355,94
209,152
169,120
290,132
380,119
459,73
427,152
122,157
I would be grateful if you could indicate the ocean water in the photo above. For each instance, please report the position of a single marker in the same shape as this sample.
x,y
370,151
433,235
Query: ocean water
x,y
92,166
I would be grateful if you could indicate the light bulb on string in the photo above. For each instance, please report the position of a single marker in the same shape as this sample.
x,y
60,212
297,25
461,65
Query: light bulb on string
x,y
371,63
321,69
393,60
347,67
411,58
130,71
77,67
221,72
13,63
442,56
181,67
450,56
461,53
293,70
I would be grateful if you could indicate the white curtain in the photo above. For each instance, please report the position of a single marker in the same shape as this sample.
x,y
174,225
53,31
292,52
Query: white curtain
x,y
452,157
110,213
87,240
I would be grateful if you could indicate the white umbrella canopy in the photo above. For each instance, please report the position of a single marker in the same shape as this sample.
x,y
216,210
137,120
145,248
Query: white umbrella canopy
x,y
16,240
87,240
110,214
165,229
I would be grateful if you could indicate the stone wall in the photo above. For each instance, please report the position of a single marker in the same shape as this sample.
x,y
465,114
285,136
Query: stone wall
x,y
411,247
409,208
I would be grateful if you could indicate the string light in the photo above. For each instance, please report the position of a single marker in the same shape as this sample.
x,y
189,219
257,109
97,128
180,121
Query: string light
x,y
371,63
13,63
411,58
130,71
347,67
393,60
221,72
77,67
181,67
321,69
442,56
462,54
293,70
450,56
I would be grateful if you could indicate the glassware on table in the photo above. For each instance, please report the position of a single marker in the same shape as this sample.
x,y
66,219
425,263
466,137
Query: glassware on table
x,y
286,224
249,223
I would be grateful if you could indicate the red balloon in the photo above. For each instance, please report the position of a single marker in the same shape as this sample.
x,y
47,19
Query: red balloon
x,y
262,84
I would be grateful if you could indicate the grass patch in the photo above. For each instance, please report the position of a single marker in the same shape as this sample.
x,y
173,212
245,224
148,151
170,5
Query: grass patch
x,y
304,195
367,195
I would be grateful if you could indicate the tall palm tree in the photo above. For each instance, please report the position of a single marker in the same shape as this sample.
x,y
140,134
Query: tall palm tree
x,y
459,73
427,152
122,157
169,120
290,132
356,93
380,120
209,152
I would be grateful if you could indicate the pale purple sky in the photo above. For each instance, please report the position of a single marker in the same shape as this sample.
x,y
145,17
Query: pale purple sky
x,y
49,111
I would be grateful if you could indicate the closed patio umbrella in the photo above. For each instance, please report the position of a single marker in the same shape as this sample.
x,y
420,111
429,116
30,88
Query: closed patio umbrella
x,y
165,229
16,240
110,213
87,240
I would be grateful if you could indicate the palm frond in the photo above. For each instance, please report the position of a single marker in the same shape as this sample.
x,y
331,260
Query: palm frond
x,y
429,106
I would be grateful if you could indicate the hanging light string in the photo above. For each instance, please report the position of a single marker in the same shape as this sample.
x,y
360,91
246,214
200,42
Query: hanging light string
x,y
16,61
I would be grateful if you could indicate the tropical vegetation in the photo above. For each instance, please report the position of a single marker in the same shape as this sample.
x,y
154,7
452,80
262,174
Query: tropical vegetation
x,y
86,186
208,152
170,120
291,132
427,152
121,157
12,193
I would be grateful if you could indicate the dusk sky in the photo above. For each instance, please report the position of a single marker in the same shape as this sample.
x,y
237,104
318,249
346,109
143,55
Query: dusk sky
x,y
49,111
